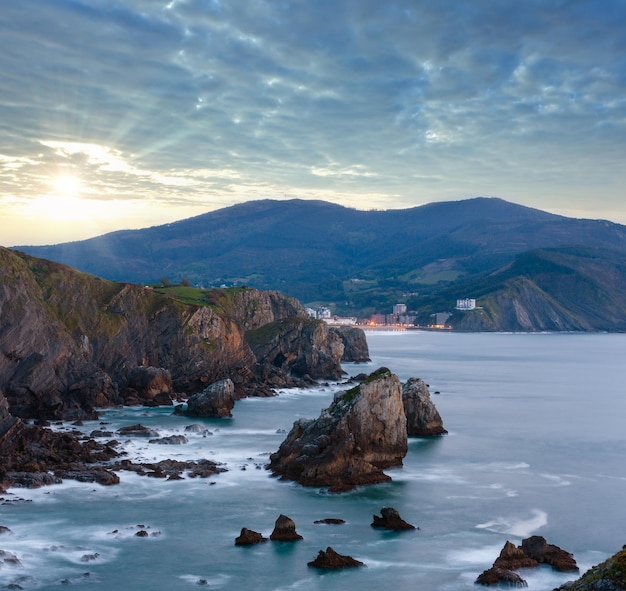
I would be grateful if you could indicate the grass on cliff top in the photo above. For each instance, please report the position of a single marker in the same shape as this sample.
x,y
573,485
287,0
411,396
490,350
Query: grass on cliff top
x,y
217,298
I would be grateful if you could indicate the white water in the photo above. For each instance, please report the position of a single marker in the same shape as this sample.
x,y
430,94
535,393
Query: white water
x,y
536,445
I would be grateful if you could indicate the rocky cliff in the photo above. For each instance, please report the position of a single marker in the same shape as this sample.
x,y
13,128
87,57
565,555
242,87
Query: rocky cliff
x,y
610,575
70,342
352,441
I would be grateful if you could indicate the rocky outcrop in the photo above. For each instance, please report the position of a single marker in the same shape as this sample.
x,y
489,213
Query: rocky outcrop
x,y
352,441
248,537
355,347
422,417
302,347
70,342
216,401
285,530
390,519
532,552
330,560
610,575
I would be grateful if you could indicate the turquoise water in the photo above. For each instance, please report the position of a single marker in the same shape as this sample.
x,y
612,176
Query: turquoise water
x,y
536,445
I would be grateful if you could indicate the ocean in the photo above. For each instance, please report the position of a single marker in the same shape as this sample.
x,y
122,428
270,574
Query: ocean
x,y
536,446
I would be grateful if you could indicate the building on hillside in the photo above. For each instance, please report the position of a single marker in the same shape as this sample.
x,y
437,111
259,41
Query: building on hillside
x,y
466,304
377,319
323,313
399,309
311,313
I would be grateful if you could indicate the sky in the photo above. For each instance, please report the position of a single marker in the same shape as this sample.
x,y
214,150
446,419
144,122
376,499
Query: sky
x,y
123,114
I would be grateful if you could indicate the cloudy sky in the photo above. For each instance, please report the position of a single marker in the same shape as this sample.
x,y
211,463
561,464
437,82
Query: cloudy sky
x,y
130,113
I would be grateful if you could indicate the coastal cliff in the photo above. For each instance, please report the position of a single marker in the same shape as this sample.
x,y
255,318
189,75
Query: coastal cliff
x,y
70,342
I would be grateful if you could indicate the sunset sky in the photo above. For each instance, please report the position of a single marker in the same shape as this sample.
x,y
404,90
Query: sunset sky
x,y
130,113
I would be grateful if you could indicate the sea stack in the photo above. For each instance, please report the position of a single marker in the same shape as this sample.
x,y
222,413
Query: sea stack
x,y
362,432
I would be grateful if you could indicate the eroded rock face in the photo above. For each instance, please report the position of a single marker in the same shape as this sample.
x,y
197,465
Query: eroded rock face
x,y
285,530
353,440
149,386
217,400
355,347
422,416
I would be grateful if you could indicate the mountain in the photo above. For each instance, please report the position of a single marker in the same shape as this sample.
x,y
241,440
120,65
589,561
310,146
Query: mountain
x,y
318,252
554,289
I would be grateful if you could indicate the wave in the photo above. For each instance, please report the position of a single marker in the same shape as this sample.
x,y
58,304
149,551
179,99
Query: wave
x,y
521,528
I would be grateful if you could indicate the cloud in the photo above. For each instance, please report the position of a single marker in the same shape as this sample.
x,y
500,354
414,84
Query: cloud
x,y
200,101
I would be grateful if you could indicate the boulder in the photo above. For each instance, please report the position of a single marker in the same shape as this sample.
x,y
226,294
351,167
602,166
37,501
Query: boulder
x,y
331,521
248,537
285,530
390,519
137,430
215,401
352,441
512,558
330,559
537,548
171,440
422,416
151,385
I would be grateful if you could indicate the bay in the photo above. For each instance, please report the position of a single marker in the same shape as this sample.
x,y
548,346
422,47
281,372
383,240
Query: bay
x,y
536,445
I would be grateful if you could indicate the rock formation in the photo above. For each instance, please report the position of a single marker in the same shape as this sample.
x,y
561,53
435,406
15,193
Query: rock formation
x,y
355,347
285,530
330,559
422,417
352,441
148,386
248,537
533,551
390,519
216,401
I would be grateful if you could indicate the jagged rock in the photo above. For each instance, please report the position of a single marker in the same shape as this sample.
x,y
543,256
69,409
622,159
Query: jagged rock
x,y
217,400
610,575
513,558
172,468
532,552
362,432
171,440
495,576
355,347
248,537
137,430
285,530
536,547
9,558
390,519
5,530
422,416
330,559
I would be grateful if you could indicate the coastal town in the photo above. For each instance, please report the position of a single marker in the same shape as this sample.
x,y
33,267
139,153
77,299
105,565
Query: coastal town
x,y
399,318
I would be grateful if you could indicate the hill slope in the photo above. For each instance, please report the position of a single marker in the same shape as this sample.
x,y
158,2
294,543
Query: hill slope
x,y
308,249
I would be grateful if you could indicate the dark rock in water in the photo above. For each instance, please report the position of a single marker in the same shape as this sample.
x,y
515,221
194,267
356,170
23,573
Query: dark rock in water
x,y
171,440
422,416
5,530
216,401
362,432
137,430
195,428
533,551
330,559
142,533
248,537
390,519
331,521
497,576
355,347
285,530
536,547
9,558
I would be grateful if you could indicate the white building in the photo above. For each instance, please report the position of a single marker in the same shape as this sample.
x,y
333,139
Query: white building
x,y
399,309
466,304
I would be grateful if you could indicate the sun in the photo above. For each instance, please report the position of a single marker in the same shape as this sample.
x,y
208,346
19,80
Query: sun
x,y
67,185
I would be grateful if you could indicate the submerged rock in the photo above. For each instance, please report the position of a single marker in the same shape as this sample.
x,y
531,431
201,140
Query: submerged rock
x,y
285,530
422,416
330,559
390,519
362,432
